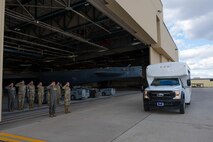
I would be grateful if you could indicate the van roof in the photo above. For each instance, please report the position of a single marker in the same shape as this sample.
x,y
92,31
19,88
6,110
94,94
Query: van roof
x,y
168,69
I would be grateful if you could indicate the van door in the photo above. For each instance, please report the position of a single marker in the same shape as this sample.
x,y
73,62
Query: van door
x,y
187,94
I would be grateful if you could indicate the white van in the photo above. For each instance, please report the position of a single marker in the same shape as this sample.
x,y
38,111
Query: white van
x,y
169,86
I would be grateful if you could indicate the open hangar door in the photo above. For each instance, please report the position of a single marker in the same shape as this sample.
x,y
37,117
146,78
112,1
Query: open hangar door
x,y
59,35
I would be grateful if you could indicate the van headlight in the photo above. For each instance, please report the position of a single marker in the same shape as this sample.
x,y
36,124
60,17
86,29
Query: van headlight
x,y
145,95
177,95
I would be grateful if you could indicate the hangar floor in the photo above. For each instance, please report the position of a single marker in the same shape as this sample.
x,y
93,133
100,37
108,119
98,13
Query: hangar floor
x,y
120,119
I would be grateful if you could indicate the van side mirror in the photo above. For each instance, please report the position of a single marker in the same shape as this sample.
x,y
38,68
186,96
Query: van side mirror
x,y
188,82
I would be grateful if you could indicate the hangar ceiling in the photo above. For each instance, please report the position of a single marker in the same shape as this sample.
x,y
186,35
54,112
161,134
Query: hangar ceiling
x,y
42,35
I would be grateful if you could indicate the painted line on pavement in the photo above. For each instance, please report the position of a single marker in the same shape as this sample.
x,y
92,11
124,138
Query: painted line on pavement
x,y
16,138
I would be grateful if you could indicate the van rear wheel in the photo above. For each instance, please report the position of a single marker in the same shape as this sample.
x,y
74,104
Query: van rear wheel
x,y
188,103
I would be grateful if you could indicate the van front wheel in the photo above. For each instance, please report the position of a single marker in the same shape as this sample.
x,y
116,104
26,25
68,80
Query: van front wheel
x,y
182,107
146,106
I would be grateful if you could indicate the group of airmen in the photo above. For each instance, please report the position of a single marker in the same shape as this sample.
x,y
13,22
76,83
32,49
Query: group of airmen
x,y
53,96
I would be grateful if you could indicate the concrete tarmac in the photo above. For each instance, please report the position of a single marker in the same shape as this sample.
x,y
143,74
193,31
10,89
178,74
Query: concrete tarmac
x,y
122,119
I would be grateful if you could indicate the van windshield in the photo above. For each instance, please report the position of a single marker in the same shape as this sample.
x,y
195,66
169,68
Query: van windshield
x,y
165,82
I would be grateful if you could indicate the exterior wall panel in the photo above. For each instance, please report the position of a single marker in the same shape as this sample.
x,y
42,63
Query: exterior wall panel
x,y
159,7
143,13
163,59
167,43
145,17
154,57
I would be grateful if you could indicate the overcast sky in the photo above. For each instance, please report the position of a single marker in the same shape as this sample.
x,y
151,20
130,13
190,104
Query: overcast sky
x,y
190,23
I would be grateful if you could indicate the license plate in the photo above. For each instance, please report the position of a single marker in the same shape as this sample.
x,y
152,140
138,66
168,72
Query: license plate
x,y
160,104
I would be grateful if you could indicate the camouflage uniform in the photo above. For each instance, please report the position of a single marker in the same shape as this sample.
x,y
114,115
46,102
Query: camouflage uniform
x,y
11,97
40,95
21,94
53,96
58,93
67,94
31,93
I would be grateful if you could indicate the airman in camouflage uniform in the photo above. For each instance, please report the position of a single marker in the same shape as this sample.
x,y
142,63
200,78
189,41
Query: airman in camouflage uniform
x,y
67,93
40,94
11,96
21,94
58,93
53,96
31,94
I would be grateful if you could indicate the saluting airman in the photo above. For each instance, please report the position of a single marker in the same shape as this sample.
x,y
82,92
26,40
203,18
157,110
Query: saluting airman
x,y
53,96
11,96
31,94
67,93
58,92
21,94
40,94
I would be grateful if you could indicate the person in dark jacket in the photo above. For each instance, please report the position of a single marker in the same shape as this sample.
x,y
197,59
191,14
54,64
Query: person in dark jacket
x,y
53,97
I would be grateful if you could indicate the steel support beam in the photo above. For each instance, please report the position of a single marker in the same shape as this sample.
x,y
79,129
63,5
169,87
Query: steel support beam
x,y
51,28
54,13
2,8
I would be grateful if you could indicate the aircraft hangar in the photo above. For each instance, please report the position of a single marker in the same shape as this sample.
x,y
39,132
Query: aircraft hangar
x,y
61,35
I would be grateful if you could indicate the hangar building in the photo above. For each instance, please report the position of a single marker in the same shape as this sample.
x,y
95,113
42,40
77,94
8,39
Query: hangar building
x,y
57,35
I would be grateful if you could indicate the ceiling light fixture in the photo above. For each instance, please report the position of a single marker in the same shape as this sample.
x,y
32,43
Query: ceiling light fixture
x,y
136,43
102,50
72,56
48,61
25,65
